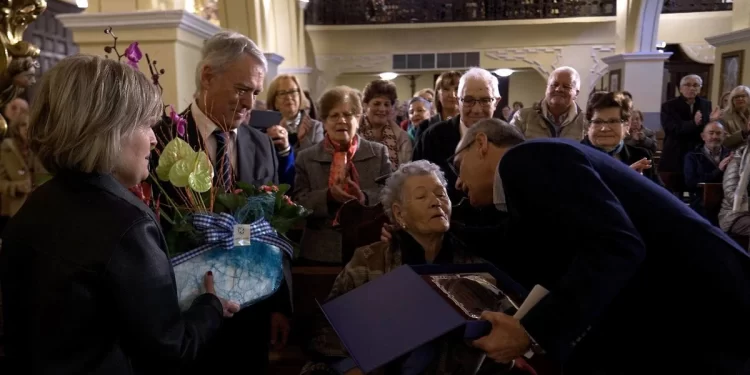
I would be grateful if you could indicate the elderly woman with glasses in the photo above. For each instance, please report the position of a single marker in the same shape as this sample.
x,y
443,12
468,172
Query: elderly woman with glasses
x,y
608,114
87,285
416,200
343,167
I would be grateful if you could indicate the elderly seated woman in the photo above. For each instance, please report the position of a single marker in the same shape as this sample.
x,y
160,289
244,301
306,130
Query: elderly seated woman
x,y
608,114
342,167
734,216
415,198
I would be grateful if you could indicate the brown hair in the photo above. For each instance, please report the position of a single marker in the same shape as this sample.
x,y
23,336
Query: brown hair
x,y
273,90
602,99
380,87
336,96
446,78
636,113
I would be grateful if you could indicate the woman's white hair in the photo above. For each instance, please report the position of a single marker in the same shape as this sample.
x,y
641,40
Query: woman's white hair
x,y
221,49
85,106
393,190
482,75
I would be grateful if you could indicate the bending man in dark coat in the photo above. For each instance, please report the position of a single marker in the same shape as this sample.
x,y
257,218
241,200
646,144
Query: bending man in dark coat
x,y
634,275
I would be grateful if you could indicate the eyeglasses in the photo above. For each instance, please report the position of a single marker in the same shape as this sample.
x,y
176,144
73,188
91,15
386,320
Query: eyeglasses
x,y
336,117
471,101
455,168
608,123
288,92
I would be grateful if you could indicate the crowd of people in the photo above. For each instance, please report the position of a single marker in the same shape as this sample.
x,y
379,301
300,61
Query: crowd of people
x,y
552,194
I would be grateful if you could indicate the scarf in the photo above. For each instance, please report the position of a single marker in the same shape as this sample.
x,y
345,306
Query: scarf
x,y
389,140
342,166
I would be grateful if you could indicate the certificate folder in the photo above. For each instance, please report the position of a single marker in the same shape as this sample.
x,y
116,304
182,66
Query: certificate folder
x,y
399,312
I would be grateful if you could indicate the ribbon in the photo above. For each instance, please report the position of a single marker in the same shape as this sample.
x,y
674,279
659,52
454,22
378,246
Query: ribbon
x,y
217,230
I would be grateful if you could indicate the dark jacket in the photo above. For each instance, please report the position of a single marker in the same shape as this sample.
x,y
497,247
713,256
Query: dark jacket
x,y
436,145
699,168
681,134
631,154
88,288
623,261
426,124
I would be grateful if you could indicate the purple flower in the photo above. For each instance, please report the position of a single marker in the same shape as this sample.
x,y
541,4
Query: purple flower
x,y
178,120
133,54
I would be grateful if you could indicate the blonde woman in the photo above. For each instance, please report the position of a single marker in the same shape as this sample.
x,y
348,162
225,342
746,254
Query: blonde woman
x,y
736,116
286,96
18,168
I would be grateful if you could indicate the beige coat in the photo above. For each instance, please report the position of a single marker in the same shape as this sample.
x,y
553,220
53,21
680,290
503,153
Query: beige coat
x,y
16,178
533,123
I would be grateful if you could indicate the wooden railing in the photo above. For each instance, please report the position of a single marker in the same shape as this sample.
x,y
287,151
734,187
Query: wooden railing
x,y
688,6
362,12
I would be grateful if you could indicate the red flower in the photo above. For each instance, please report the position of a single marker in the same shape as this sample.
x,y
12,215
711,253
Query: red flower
x,y
288,200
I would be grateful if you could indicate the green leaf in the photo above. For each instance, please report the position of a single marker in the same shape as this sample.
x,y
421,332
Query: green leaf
x,y
246,188
229,203
176,150
283,188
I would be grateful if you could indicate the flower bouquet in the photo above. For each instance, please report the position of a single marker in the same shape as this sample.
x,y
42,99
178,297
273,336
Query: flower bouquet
x,y
238,235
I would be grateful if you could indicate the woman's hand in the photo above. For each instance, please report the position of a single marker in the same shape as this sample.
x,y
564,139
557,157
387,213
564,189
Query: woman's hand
x,y
386,232
24,187
354,371
339,194
715,114
304,127
641,165
358,194
229,307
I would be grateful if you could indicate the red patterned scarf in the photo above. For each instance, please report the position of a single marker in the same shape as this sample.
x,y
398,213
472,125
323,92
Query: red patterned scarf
x,y
342,166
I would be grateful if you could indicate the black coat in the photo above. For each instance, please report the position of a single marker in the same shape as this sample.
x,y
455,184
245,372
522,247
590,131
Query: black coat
x,y
88,288
625,262
681,134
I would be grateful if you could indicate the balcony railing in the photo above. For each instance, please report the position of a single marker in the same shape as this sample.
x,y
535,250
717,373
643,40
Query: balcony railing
x,y
362,12
688,6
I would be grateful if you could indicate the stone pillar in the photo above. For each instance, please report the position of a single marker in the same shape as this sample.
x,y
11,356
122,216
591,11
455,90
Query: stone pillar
x,y
171,37
731,59
641,74
639,66
274,61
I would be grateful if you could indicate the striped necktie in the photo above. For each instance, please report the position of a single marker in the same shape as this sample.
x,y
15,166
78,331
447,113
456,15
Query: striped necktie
x,y
223,164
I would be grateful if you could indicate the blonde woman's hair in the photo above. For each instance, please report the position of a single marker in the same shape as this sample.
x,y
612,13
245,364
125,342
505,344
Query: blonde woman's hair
x,y
338,95
85,106
739,90
273,90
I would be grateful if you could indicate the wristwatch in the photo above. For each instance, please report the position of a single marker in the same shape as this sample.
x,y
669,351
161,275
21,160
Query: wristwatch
x,y
535,348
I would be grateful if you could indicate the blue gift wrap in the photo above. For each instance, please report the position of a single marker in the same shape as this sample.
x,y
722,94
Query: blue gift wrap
x,y
246,273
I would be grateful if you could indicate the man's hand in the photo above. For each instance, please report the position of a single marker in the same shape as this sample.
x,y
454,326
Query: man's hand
x,y
304,127
637,135
507,340
279,330
698,118
280,137
724,162
354,371
641,165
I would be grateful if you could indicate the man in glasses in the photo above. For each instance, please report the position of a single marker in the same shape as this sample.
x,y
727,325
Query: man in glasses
x,y
627,265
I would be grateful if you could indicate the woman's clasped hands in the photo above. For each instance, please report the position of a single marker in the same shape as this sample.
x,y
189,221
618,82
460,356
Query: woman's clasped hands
x,y
340,193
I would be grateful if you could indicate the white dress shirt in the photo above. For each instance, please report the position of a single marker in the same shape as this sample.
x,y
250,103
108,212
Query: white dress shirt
x,y
206,127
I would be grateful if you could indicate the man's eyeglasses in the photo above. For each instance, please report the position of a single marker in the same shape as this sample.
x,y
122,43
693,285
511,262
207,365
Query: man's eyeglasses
x,y
455,167
471,101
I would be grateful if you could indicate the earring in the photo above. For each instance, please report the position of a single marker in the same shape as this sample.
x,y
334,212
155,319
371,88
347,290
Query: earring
x,y
403,225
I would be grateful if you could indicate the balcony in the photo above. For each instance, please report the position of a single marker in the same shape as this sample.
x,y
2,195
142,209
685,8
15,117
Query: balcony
x,y
690,6
367,12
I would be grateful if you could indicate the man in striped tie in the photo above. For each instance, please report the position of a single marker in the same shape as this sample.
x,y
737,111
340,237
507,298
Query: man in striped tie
x,y
229,77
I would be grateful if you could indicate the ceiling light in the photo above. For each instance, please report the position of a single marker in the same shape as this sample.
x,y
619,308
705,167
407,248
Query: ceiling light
x,y
82,3
504,72
387,76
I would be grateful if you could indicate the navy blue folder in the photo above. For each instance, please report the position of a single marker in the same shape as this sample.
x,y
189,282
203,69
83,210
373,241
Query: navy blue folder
x,y
399,312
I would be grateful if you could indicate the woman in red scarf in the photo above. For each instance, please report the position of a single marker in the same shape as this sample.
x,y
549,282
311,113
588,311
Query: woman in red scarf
x,y
342,167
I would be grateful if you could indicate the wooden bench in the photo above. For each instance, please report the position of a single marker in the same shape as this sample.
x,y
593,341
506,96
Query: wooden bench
x,y
360,225
674,182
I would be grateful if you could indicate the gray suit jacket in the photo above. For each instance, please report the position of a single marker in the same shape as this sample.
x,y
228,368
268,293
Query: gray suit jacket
x,y
320,242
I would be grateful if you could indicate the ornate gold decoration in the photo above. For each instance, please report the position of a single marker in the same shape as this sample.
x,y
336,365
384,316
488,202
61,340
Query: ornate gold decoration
x,y
17,58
